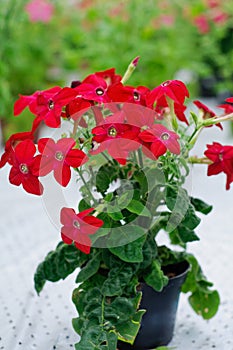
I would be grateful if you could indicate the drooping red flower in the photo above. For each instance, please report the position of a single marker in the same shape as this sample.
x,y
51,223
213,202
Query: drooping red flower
x,y
228,107
77,228
174,89
22,171
207,112
58,157
118,138
158,139
222,158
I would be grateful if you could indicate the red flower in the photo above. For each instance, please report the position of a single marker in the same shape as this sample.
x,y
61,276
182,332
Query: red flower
x,y
76,109
23,161
222,158
31,101
26,101
228,108
117,138
174,89
109,76
47,105
78,227
10,143
138,115
58,157
50,105
162,109
93,88
158,139
121,93
207,113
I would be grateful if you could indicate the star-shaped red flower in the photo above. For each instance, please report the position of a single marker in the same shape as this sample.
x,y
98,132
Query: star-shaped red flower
x,y
158,139
58,157
77,228
22,171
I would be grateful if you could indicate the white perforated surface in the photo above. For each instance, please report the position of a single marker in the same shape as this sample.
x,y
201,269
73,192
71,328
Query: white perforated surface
x,y
29,322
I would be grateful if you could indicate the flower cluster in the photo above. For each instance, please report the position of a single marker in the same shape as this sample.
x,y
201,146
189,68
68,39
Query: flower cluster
x,y
139,120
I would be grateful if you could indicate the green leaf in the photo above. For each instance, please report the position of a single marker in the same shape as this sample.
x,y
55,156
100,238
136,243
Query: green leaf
x,y
155,277
182,235
127,331
117,279
131,252
177,200
205,303
83,205
115,213
191,220
194,117
106,174
90,269
201,206
138,208
58,264
122,235
108,197
149,251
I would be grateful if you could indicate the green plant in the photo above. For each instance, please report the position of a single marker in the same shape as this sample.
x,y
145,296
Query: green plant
x,y
130,150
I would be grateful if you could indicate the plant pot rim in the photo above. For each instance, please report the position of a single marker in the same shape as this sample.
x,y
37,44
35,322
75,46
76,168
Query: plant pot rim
x,y
182,265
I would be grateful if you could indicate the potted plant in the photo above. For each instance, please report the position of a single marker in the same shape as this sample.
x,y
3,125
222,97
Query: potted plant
x,y
129,148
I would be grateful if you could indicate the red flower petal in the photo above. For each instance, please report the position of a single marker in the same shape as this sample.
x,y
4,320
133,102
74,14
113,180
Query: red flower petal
x,y
75,158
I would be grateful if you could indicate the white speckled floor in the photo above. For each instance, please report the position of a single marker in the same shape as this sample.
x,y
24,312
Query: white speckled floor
x,y
28,322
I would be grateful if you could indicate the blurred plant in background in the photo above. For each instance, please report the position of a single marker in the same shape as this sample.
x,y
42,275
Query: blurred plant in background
x,y
30,54
47,42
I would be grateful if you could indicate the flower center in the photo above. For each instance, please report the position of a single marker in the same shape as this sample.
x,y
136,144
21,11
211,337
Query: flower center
x,y
59,156
76,224
51,104
112,131
220,156
136,96
24,168
166,83
165,136
99,91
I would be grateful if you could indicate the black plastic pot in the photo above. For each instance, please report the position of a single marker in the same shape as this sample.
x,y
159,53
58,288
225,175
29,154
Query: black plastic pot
x,y
158,322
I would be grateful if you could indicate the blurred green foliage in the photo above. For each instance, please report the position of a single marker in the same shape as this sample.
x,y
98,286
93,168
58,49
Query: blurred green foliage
x,y
84,36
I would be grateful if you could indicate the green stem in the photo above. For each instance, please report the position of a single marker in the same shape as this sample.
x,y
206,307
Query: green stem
x,y
140,159
107,158
213,121
172,113
196,160
87,187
